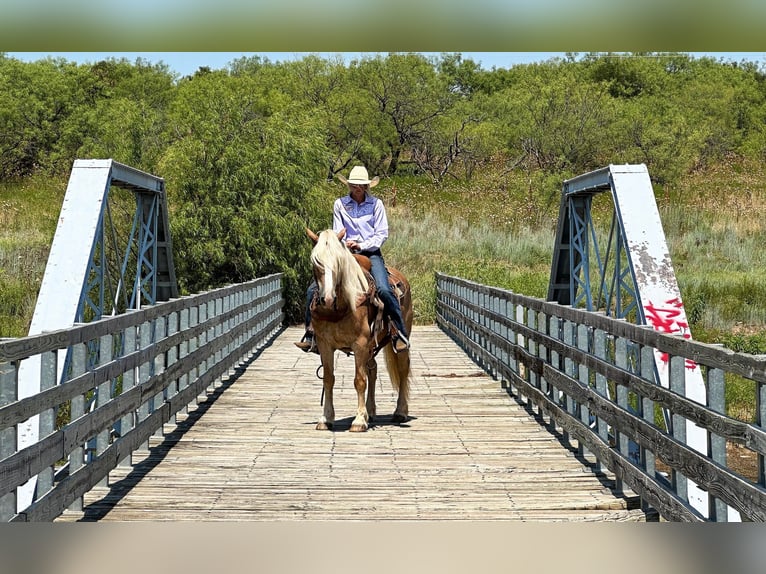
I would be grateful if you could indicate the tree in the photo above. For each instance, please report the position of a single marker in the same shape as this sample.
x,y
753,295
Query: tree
x,y
556,118
35,101
463,77
407,94
323,88
244,180
127,112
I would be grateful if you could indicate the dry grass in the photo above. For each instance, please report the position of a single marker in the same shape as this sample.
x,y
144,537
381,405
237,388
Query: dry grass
x,y
28,214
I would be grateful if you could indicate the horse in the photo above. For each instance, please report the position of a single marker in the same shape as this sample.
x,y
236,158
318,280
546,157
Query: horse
x,y
344,316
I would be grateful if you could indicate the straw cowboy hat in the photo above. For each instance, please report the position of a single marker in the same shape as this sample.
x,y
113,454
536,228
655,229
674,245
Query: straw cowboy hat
x,y
358,176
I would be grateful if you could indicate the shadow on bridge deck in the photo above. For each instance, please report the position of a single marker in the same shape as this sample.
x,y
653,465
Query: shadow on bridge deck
x,y
250,452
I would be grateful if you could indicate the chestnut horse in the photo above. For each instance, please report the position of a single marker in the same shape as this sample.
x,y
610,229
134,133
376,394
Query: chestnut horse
x,y
342,319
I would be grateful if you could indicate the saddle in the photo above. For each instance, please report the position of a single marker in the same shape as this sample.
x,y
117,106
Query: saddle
x,y
381,327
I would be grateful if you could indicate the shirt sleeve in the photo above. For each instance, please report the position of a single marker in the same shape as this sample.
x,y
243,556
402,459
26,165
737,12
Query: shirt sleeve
x,y
337,221
379,228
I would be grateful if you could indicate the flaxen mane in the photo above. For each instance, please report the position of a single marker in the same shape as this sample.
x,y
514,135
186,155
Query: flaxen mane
x,y
330,253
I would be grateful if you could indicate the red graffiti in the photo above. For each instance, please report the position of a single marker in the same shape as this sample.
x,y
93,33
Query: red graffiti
x,y
667,319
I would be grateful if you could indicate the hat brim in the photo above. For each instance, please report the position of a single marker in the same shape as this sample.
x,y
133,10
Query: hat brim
x,y
371,182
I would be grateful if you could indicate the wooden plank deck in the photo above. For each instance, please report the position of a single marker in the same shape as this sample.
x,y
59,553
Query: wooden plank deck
x,y
250,452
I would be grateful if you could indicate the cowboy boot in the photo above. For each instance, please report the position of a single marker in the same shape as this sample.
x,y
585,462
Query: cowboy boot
x,y
308,343
399,341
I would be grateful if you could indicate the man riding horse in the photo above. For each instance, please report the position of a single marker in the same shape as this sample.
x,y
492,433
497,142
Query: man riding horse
x,y
363,216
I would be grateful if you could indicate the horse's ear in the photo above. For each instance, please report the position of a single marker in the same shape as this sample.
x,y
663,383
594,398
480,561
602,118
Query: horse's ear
x,y
342,233
342,179
375,181
313,236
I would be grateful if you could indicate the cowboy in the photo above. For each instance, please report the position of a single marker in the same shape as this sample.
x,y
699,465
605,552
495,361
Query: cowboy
x,y
363,216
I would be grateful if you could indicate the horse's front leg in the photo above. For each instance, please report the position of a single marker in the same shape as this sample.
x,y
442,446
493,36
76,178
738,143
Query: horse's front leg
x,y
328,380
372,377
362,418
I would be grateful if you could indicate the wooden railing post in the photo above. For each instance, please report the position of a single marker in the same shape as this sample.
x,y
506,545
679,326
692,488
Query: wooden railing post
x,y
159,327
48,380
532,347
648,413
678,385
716,399
145,333
184,324
171,357
583,376
8,394
554,331
599,350
103,396
542,322
128,421
77,409
621,439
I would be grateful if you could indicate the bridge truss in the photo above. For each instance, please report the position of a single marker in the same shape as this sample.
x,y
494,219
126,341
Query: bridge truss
x,y
112,252
628,274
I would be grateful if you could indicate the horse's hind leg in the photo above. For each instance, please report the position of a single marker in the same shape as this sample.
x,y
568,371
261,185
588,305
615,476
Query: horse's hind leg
x,y
328,380
401,363
372,376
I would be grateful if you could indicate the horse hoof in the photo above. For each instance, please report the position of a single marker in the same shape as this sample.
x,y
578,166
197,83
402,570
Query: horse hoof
x,y
324,426
358,428
398,419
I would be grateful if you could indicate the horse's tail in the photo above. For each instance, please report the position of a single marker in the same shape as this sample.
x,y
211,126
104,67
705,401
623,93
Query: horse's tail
x,y
398,367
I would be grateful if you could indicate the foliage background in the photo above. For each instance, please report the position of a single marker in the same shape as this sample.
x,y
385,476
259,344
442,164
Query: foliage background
x,y
472,162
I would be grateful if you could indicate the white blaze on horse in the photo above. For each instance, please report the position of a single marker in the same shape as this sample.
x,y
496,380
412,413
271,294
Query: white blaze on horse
x,y
346,316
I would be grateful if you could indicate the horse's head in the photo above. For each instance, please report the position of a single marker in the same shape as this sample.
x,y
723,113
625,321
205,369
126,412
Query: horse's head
x,y
314,237
335,269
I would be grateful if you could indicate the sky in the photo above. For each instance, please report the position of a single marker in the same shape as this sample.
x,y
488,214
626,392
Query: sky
x,y
186,63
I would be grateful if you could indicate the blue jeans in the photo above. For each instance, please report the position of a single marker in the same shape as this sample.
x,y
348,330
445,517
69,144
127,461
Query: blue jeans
x,y
390,302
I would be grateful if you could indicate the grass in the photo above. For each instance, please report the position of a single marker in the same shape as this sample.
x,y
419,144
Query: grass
x,y
714,222
504,236
28,214
489,230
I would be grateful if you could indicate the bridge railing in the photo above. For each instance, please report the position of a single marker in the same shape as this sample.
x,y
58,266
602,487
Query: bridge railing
x,y
123,377
593,376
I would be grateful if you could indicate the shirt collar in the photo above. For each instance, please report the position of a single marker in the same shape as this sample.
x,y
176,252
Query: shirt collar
x,y
346,199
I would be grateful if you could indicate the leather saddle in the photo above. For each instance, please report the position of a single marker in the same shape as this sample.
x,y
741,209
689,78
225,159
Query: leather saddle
x,y
381,327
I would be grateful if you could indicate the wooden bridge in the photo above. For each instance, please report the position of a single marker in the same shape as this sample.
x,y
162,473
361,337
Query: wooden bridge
x,y
250,452
200,408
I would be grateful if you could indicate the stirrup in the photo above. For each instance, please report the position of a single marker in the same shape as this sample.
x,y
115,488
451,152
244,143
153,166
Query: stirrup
x,y
308,343
400,343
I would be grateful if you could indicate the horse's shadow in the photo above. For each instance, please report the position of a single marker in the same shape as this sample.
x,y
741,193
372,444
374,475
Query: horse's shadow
x,y
344,425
